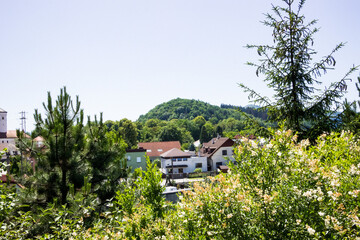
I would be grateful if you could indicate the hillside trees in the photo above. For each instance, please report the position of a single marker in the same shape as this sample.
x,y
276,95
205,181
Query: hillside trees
x,y
207,132
126,129
291,73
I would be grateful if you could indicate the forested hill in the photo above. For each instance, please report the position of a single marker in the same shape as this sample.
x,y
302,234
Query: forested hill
x,y
189,109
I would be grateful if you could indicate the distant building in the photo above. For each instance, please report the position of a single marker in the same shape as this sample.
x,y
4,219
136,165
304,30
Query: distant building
x,y
176,161
219,151
7,137
136,158
155,149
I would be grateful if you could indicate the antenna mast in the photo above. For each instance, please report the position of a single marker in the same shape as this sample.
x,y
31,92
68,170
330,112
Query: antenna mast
x,y
23,121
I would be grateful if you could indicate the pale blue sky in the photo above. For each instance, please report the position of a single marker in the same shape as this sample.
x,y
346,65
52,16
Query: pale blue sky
x,y
125,57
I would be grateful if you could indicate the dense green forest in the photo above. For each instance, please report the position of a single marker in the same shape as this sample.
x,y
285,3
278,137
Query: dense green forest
x,y
190,109
300,179
187,121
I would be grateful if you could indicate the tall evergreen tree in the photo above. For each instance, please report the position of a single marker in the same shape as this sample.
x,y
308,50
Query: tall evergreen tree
x,y
62,130
291,73
104,152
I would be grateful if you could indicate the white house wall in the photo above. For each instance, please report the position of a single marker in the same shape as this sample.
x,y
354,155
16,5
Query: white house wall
x,y
191,164
217,157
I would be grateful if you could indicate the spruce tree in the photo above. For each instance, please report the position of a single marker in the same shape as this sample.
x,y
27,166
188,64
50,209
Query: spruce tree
x,y
290,71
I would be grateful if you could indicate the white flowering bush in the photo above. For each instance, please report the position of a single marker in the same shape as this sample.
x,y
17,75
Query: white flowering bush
x,y
282,190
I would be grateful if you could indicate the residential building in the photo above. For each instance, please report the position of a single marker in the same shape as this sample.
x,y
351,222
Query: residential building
x,y
218,151
7,138
155,149
176,161
136,158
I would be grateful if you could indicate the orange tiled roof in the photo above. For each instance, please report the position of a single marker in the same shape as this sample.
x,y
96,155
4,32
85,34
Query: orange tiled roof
x,y
155,149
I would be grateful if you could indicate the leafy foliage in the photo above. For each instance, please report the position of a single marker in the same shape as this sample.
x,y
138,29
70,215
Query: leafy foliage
x,y
190,109
280,189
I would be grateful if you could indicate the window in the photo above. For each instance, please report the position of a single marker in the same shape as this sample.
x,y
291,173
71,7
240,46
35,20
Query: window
x,y
128,158
160,150
2,118
198,165
224,152
170,170
179,159
149,150
184,159
138,159
174,159
181,170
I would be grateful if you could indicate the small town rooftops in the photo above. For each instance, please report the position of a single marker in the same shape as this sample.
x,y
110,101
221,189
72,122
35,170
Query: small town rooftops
x,y
2,110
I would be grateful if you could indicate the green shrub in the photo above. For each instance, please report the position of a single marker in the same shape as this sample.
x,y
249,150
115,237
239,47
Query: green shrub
x,y
284,190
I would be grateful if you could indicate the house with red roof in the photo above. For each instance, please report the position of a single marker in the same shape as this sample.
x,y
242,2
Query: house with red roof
x,y
155,149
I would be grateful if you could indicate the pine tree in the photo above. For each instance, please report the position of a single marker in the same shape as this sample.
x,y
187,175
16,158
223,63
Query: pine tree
x,y
62,130
291,73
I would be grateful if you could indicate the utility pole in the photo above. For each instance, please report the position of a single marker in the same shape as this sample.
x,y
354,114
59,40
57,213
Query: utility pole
x,y
23,130
23,121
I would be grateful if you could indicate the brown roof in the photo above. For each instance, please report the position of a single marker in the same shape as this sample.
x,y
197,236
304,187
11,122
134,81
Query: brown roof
x,y
174,153
155,149
12,134
214,144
